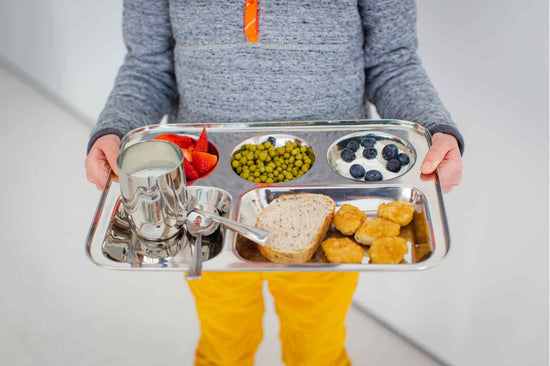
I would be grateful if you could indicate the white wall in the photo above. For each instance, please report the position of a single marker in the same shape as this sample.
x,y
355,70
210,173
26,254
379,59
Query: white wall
x,y
71,49
488,302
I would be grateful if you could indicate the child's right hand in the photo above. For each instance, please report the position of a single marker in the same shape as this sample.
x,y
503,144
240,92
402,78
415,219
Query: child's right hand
x,y
102,158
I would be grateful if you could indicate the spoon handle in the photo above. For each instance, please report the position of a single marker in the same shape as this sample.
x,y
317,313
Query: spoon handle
x,y
255,234
195,270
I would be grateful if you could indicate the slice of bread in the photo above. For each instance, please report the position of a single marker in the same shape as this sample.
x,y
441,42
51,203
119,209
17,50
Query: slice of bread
x,y
298,223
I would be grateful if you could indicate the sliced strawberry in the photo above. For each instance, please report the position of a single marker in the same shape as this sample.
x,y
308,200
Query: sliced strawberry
x,y
202,143
203,162
190,172
184,142
188,154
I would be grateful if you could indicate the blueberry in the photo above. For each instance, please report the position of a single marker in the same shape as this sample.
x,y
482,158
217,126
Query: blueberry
x,y
272,140
347,155
357,171
403,158
373,176
368,141
353,145
390,151
370,153
393,165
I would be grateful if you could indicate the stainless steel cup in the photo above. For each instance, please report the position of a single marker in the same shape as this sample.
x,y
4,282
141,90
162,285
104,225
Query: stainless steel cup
x,y
152,185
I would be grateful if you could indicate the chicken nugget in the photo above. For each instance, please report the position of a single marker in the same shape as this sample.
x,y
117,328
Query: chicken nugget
x,y
348,218
373,229
388,250
397,211
342,250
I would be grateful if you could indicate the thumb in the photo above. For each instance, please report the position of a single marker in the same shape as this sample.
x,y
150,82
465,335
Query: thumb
x,y
111,153
433,158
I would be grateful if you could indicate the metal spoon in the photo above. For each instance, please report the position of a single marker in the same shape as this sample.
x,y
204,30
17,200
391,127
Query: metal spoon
x,y
193,226
195,267
210,213
255,234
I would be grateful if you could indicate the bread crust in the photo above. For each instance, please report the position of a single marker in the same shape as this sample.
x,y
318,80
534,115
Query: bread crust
x,y
274,254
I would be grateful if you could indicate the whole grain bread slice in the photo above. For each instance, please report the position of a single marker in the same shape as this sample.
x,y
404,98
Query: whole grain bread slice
x,y
298,223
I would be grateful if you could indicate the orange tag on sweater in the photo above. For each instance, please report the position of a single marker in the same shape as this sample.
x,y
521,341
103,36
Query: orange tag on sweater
x,y
251,20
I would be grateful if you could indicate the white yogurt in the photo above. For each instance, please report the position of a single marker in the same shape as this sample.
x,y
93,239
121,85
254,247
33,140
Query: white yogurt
x,y
378,163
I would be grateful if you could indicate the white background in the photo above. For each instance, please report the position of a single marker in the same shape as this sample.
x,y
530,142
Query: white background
x,y
488,302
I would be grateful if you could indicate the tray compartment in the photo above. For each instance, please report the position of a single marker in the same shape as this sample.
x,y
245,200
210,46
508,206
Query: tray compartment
x,y
379,163
419,238
122,245
278,141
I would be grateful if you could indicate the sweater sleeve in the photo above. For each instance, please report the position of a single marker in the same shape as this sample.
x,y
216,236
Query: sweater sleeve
x,y
396,82
145,85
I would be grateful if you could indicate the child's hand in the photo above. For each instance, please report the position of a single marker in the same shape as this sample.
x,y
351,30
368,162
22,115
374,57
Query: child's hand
x,y
445,155
101,159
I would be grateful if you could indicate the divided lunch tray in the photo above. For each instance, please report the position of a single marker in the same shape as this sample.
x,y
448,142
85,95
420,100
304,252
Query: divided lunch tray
x,y
112,244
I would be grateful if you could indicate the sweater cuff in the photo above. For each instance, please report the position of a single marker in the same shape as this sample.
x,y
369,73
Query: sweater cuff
x,y
450,130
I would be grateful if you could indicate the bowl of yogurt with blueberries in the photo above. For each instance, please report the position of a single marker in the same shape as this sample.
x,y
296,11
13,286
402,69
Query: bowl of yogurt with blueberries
x,y
371,156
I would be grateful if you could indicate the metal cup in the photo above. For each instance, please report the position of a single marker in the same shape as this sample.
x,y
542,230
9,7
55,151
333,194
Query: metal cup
x,y
152,185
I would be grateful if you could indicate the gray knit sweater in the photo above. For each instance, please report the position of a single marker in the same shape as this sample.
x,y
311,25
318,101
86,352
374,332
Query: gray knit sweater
x,y
314,60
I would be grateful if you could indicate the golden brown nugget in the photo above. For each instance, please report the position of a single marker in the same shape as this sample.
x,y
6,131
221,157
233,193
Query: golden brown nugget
x,y
342,250
373,229
348,218
388,250
397,211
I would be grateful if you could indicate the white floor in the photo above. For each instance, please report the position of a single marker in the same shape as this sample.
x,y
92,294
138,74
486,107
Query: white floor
x,y
57,307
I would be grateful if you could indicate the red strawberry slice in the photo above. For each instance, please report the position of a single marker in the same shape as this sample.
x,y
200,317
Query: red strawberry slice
x,y
187,154
203,162
202,143
185,142
190,172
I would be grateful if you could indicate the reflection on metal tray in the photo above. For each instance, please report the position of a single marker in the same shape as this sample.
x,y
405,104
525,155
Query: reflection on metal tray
x,y
111,244
121,246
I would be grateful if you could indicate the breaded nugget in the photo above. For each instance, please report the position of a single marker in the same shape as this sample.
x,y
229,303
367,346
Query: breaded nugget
x,y
388,250
397,211
373,229
348,218
342,250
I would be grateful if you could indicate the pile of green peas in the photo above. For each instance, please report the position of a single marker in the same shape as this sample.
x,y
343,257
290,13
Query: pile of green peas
x,y
265,163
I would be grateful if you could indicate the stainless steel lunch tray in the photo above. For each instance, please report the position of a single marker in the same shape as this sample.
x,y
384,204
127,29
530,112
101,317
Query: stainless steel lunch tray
x,y
111,244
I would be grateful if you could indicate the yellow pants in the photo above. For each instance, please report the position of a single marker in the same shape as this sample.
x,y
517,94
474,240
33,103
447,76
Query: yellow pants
x,y
312,308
